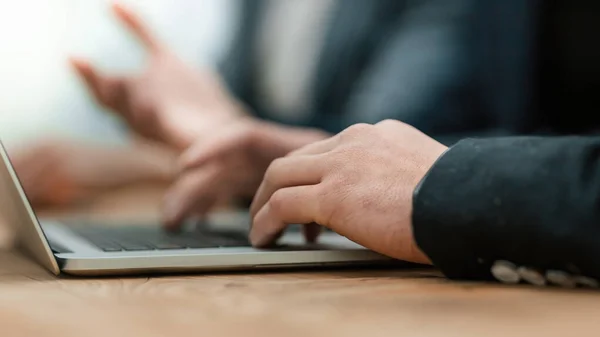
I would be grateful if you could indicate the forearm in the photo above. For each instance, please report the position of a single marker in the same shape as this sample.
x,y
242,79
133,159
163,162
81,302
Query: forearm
x,y
531,201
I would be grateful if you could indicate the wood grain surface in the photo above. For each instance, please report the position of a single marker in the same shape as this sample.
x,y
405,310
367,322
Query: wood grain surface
x,y
301,303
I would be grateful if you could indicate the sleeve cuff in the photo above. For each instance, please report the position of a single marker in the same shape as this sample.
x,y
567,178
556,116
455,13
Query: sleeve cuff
x,y
437,204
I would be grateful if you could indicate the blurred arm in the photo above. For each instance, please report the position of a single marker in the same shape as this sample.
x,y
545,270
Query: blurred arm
x,y
61,172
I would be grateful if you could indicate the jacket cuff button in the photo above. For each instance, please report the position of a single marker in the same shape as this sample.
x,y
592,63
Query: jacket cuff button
x,y
505,272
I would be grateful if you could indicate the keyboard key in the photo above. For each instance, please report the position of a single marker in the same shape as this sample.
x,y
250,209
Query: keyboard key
x,y
201,244
167,245
105,245
145,239
134,246
110,249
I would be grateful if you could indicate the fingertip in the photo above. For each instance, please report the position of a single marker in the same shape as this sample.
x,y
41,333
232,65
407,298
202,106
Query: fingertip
x,y
254,236
79,67
84,68
169,221
180,203
260,234
73,60
258,240
171,213
171,227
134,23
118,9
79,64
124,14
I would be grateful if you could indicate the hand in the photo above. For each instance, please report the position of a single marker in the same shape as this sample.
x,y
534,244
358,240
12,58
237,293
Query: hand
x,y
358,183
170,101
229,164
61,172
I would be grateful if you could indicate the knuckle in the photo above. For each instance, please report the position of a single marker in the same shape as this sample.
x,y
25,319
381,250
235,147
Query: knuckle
x,y
389,122
277,202
273,170
358,129
350,152
247,136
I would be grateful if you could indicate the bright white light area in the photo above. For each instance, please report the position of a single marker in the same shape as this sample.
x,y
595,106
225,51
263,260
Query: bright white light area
x,y
39,94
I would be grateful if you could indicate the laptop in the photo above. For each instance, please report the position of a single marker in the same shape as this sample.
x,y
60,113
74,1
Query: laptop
x,y
96,249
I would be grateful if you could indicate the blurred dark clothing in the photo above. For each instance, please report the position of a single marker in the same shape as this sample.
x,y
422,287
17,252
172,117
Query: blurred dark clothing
x,y
453,69
491,208
401,59
534,69
569,66
495,92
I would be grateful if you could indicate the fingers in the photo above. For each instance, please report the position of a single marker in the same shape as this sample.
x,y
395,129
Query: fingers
x,y
209,148
88,74
293,205
196,192
108,91
134,23
319,147
287,172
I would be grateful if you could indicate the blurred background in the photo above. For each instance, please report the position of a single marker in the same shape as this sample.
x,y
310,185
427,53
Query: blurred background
x,y
314,67
40,95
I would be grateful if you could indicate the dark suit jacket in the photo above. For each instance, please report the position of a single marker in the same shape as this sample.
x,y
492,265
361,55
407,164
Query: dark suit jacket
x,y
381,59
532,201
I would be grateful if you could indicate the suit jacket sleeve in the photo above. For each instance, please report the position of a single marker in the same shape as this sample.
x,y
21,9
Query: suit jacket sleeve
x,y
532,201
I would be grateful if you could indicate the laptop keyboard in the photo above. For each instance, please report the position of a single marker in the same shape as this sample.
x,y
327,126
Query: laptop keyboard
x,y
111,239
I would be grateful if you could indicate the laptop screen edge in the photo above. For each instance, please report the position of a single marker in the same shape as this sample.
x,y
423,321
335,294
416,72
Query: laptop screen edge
x,y
17,210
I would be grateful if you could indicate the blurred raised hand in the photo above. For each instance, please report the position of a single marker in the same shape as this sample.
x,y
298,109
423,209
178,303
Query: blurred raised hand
x,y
225,151
170,101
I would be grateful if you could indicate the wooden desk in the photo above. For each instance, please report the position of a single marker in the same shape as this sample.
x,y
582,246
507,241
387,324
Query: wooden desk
x,y
315,303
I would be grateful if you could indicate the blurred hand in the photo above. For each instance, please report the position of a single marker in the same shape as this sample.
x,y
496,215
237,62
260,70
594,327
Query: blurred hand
x,y
229,163
62,172
170,101
359,184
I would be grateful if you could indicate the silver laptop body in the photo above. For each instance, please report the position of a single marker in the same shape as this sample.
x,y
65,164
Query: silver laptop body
x,y
62,249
